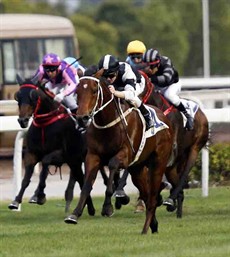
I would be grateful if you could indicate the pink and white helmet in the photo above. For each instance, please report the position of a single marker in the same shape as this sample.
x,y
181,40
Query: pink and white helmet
x,y
51,60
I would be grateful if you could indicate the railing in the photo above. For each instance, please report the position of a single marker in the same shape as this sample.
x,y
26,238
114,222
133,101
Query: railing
x,y
9,123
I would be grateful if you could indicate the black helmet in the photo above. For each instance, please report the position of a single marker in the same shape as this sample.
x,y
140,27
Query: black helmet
x,y
151,56
109,63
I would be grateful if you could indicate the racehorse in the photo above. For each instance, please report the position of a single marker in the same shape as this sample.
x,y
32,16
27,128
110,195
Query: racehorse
x,y
187,144
116,137
51,139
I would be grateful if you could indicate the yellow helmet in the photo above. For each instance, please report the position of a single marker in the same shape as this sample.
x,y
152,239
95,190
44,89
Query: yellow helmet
x,y
136,47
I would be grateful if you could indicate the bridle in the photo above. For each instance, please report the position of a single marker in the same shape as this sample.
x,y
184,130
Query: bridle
x,y
99,107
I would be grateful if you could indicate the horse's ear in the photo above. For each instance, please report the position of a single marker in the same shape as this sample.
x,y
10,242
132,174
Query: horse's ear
x,y
34,80
19,79
99,73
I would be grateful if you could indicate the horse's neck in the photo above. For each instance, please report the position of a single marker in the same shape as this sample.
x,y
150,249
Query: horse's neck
x,y
111,110
45,105
159,101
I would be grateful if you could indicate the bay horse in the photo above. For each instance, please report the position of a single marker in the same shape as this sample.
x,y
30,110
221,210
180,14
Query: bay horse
x,y
51,139
187,144
116,137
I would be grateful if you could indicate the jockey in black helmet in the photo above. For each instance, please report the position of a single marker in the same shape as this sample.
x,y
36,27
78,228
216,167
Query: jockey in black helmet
x,y
123,83
166,79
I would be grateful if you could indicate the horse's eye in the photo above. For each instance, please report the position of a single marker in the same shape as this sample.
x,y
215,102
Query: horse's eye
x,y
95,90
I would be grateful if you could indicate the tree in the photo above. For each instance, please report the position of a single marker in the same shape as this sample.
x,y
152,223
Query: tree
x,y
95,38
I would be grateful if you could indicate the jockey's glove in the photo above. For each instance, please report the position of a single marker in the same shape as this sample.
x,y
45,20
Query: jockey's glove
x,y
59,97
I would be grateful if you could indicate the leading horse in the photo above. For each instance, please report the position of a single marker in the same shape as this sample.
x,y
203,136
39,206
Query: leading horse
x,y
187,144
52,138
116,137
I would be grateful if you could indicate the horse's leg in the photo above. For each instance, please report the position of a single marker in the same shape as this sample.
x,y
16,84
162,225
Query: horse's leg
x,y
155,174
142,179
121,197
76,174
39,196
189,164
29,161
69,190
180,199
92,165
104,176
113,165
172,175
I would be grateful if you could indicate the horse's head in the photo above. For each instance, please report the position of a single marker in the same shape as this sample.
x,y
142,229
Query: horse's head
x,y
90,97
27,98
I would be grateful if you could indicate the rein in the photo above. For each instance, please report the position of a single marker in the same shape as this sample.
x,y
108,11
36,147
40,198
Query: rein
x,y
43,120
100,93
121,116
150,88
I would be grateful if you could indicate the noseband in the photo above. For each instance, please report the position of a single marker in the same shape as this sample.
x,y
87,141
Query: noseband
x,y
100,96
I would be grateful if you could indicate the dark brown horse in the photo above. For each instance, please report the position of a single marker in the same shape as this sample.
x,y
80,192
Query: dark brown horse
x,y
116,138
52,139
187,144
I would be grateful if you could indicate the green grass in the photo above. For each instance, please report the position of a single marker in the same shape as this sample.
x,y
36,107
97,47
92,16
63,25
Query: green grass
x,y
40,231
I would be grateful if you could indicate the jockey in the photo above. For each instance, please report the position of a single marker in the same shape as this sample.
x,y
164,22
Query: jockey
x,y
73,62
165,78
135,51
120,75
60,78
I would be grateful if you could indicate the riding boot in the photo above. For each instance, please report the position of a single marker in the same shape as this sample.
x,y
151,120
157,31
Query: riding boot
x,y
146,114
190,120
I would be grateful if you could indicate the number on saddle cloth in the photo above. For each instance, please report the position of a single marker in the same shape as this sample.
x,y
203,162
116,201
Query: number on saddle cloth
x,y
158,124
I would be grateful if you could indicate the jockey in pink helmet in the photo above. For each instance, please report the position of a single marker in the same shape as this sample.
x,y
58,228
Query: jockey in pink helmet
x,y
60,78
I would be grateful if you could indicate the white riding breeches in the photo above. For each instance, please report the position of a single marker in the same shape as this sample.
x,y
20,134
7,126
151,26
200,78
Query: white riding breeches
x,y
171,93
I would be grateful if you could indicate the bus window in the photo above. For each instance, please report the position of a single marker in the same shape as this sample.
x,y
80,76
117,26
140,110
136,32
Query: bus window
x,y
9,74
25,39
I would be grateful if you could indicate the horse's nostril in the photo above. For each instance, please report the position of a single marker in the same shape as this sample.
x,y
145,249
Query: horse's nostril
x,y
85,118
23,122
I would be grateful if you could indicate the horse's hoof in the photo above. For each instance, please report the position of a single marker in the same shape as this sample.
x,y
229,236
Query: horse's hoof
x,y
41,200
125,200
119,193
33,199
170,205
107,211
71,219
140,207
168,202
171,208
14,205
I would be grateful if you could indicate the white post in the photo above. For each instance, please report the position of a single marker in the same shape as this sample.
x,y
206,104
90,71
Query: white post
x,y
205,171
17,163
206,47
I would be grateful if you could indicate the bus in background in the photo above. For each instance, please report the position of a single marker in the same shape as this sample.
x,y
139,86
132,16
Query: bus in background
x,y
25,39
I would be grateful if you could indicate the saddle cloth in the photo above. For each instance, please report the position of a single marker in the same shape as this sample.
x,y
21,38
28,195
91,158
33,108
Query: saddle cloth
x,y
191,108
158,126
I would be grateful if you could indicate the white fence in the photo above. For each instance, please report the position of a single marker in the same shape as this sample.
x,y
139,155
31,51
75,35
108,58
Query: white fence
x,y
10,123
